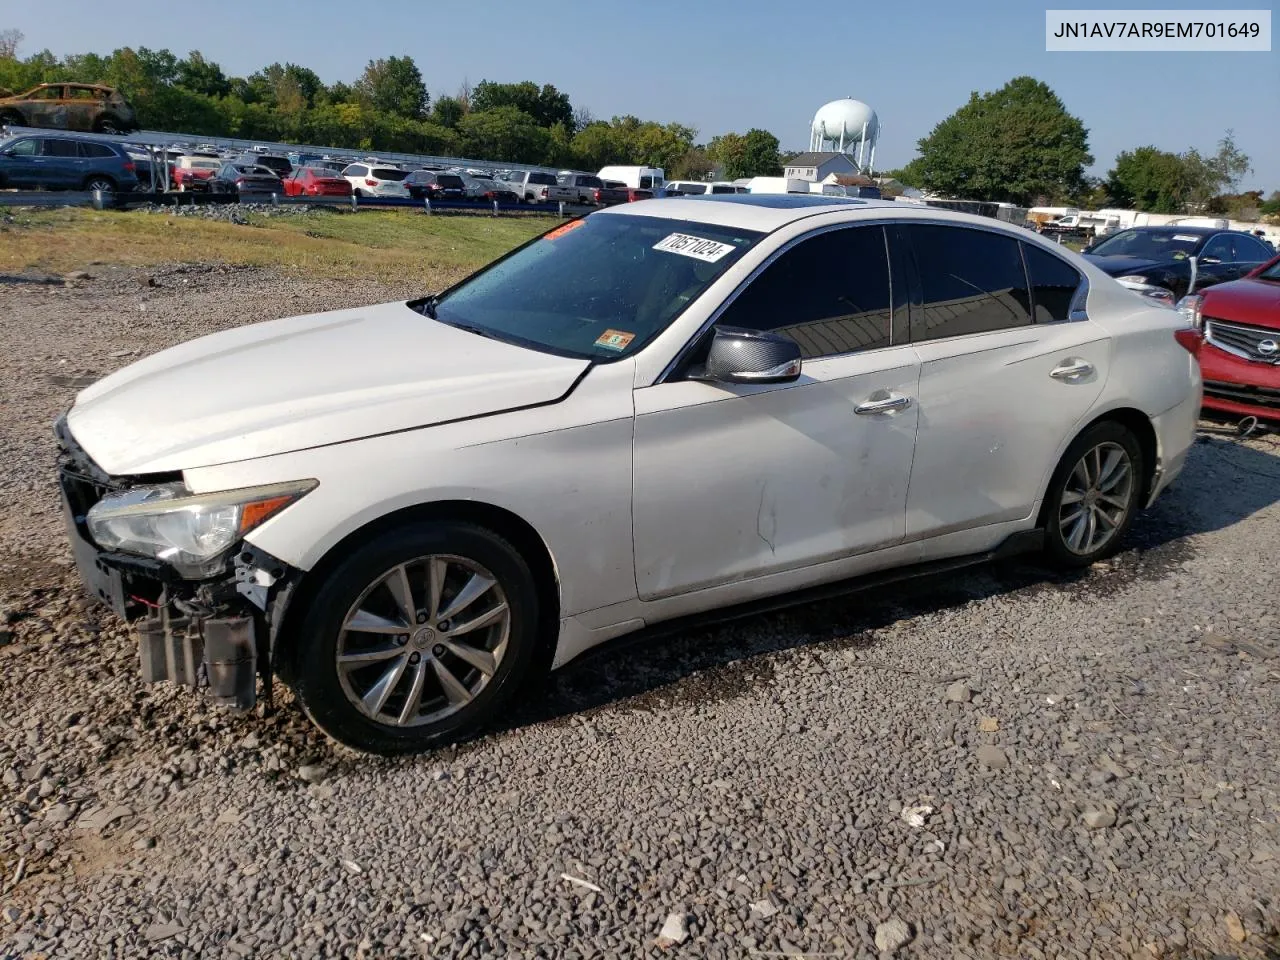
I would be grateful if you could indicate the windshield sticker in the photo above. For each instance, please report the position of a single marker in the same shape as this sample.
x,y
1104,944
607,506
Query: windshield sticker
x,y
561,231
696,247
614,339
1190,237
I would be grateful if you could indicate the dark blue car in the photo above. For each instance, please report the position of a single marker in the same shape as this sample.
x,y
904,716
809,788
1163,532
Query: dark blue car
x,y
65,162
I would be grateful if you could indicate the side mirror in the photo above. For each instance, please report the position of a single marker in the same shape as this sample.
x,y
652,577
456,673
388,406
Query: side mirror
x,y
752,356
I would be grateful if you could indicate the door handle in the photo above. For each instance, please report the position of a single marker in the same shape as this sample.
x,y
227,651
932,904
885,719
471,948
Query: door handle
x,y
1071,370
894,401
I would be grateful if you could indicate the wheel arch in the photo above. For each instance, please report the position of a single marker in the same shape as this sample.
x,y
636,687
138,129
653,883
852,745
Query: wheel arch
x,y
1134,420
512,527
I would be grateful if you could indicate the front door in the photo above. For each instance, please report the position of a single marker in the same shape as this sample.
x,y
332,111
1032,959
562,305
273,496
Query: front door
x,y
735,481
1008,371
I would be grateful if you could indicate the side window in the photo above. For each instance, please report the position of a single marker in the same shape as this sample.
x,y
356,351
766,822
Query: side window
x,y
26,148
1053,283
355,170
646,183
1219,248
95,150
61,148
830,294
721,189
1249,250
972,282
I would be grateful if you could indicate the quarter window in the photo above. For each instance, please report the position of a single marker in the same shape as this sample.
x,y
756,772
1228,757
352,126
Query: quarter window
x,y
1053,284
972,281
830,294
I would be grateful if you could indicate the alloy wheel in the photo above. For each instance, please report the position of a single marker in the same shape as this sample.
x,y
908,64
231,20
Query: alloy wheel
x,y
1096,499
423,640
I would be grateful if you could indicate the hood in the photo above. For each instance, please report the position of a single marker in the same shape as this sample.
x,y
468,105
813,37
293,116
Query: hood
x,y
1122,266
290,384
1255,302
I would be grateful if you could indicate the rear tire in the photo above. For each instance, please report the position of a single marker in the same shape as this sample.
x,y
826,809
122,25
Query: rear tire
x,y
358,687
1094,495
105,184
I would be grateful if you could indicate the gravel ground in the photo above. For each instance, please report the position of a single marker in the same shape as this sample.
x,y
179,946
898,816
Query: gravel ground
x,y
1000,763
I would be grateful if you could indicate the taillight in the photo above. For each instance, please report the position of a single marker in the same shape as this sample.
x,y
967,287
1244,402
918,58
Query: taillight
x,y
130,166
543,194
240,182
371,183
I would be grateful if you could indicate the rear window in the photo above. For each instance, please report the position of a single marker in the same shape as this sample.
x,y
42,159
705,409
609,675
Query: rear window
x,y
545,179
590,182
96,151
646,183
386,173
449,180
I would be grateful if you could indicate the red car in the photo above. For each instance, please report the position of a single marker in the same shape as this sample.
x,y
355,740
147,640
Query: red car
x,y
1240,356
194,173
316,182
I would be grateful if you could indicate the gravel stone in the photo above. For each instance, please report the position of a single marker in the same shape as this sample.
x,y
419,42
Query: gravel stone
x,y
892,935
1099,819
312,772
1235,927
674,930
958,692
989,755
703,774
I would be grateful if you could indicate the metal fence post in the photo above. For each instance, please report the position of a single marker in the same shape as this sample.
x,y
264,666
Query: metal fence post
x,y
495,208
426,202
97,199
353,201
562,208
275,200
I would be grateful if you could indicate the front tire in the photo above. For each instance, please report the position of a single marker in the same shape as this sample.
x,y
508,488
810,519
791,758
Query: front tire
x,y
421,635
1094,495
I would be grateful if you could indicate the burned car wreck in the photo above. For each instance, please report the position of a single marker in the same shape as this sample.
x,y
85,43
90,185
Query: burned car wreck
x,y
202,620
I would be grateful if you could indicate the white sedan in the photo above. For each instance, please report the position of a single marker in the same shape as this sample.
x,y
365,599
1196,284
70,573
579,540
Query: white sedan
x,y
661,410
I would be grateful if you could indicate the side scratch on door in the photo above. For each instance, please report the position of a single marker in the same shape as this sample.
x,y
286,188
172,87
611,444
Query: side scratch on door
x,y
771,521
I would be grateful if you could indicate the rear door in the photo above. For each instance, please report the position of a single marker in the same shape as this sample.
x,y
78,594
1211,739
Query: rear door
x,y
1008,371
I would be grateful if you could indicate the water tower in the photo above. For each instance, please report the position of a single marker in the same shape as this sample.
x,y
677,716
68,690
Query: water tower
x,y
842,125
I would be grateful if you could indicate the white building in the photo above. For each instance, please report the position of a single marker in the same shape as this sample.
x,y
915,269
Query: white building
x,y
820,167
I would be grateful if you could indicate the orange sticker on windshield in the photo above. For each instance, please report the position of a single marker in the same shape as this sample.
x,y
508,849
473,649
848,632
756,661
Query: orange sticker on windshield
x,y
562,230
614,339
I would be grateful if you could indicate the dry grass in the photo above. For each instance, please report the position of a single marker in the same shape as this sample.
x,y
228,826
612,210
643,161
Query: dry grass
x,y
387,245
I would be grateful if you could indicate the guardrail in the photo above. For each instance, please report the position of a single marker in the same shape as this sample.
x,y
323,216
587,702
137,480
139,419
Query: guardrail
x,y
122,201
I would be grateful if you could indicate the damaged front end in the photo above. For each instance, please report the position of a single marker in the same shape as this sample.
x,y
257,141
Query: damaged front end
x,y
207,605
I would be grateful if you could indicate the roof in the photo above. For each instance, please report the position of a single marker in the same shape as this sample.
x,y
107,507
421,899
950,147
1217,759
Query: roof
x,y
745,211
818,159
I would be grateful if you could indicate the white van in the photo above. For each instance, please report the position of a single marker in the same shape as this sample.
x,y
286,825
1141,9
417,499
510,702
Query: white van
x,y
637,178
699,188
778,185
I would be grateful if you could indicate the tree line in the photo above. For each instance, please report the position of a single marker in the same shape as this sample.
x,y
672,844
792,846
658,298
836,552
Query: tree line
x,y
387,108
1019,144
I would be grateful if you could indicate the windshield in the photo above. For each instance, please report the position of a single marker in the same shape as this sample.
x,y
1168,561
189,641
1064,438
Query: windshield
x,y
1271,273
600,287
1149,245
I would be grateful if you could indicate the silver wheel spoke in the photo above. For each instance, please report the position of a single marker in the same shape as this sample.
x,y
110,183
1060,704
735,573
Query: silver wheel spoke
x,y
1073,517
1107,520
486,618
369,656
1071,496
482,660
474,589
1076,535
436,570
1111,474
398,584
454,690
1116,502
1081,474
377,696
413,702
365,622
1091,537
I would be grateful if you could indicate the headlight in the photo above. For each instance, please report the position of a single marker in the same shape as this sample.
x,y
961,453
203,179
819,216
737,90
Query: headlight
x,y
190,532
1160,295
1133,278
1189,308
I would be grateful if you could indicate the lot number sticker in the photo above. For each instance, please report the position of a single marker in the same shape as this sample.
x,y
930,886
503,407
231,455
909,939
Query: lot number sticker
x,y
696,247
615,339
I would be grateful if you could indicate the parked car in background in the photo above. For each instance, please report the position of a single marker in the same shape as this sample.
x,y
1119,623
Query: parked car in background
x,y
194,173
1240,356
487,190
584,185
280,166
375,181
698,188
87,107
244,179
430,185
536,187
609,192
1163,263
633,194
316,182
387,503
65,162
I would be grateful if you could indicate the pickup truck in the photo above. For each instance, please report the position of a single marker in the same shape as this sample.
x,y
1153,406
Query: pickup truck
x,y
541,188
611,192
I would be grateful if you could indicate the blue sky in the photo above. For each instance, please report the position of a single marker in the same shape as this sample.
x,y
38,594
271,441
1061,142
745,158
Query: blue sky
x,y
721,66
